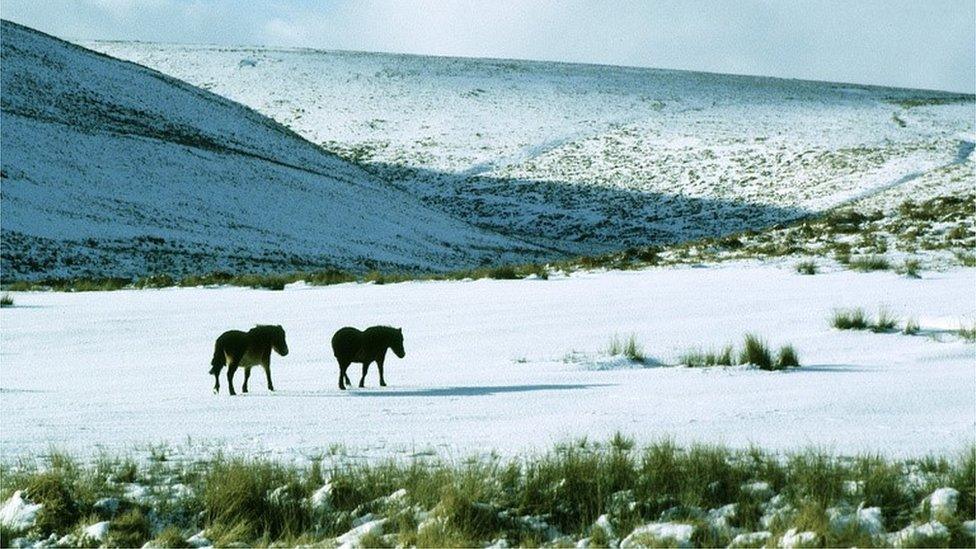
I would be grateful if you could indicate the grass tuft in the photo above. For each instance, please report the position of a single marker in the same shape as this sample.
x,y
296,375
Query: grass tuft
x,y
850,319
968,333
787,357
886,321
628,348
911,327
699,358
806,267
756,352
6,300
911,268
132,529
869,263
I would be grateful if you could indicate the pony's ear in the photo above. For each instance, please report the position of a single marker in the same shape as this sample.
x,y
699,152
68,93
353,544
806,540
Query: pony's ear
x,y
400,330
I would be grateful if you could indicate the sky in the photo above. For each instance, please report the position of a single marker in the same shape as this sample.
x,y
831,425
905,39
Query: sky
x,y
909,43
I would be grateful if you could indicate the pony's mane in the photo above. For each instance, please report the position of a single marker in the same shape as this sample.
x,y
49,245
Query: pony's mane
x,y
266,333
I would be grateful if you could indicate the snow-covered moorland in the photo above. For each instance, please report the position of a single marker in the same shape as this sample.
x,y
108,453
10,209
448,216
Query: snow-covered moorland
x,y
112,169
585,158
505,366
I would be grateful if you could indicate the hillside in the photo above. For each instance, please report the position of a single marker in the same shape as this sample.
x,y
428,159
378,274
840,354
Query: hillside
x,y
587,158
112,169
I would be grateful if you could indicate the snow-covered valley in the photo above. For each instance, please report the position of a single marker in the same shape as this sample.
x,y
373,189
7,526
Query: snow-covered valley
x,y
506,366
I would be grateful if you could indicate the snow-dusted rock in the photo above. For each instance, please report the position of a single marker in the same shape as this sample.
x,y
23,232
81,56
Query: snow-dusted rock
x,y
752,539
18,513
969,527
759,489
322,498
675,532
604,522
913,534
199,540
868,520
96,531
136,492
853,487
352,537
719,518
793,538
107,506
943,502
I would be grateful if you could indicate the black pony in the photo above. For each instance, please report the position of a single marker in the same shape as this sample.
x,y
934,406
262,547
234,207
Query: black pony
x,y
351,345
239,349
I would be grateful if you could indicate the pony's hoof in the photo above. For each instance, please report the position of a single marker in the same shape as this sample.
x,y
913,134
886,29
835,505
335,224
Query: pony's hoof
x,y
215,391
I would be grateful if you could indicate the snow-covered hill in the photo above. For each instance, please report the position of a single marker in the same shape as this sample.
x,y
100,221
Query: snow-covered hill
x,y
588,158
112,169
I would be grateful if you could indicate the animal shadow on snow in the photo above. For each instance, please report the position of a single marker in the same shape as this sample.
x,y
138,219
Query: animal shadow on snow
x,y
478,390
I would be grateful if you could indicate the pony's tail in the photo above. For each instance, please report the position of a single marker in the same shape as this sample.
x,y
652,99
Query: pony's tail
x,y
217,361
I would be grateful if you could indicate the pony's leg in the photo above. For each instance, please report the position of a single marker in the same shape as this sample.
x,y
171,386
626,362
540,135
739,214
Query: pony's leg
x,y
345,375
247,376
362,380
267,374
379,364
342,375
230,377
216,388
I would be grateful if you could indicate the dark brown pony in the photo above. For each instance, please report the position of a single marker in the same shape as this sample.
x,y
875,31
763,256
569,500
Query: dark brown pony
x,y
237,349
351,345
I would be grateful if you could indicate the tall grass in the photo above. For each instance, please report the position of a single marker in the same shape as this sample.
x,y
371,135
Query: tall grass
x,y
850,319
885,322
754,351
627,347
869,263
806,267
857,319
471,502
6,300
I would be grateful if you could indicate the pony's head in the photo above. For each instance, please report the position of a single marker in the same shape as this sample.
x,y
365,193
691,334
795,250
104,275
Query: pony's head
x,y
396,344
278,342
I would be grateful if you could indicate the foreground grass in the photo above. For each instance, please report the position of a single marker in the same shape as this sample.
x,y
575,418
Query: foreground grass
x,y
581,490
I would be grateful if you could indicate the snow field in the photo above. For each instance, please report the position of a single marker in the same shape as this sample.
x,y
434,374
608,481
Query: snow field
x,y
494,366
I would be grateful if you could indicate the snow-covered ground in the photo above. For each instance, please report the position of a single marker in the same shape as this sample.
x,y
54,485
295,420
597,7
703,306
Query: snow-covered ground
x,y
588,158
486,366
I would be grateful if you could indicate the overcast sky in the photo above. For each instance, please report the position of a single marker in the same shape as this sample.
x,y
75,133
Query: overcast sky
x,y
911,43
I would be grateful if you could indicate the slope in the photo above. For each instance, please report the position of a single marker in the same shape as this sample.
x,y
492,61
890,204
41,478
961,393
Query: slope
x,y
587,158
112,169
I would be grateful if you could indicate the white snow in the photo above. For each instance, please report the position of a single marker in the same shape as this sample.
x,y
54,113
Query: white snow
x,y
793,538
352,537
322,498
117,370
18,513
604,522
674,532
913,534
586,158
199,540
752,539
111,169
96,531
759,488
943,502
